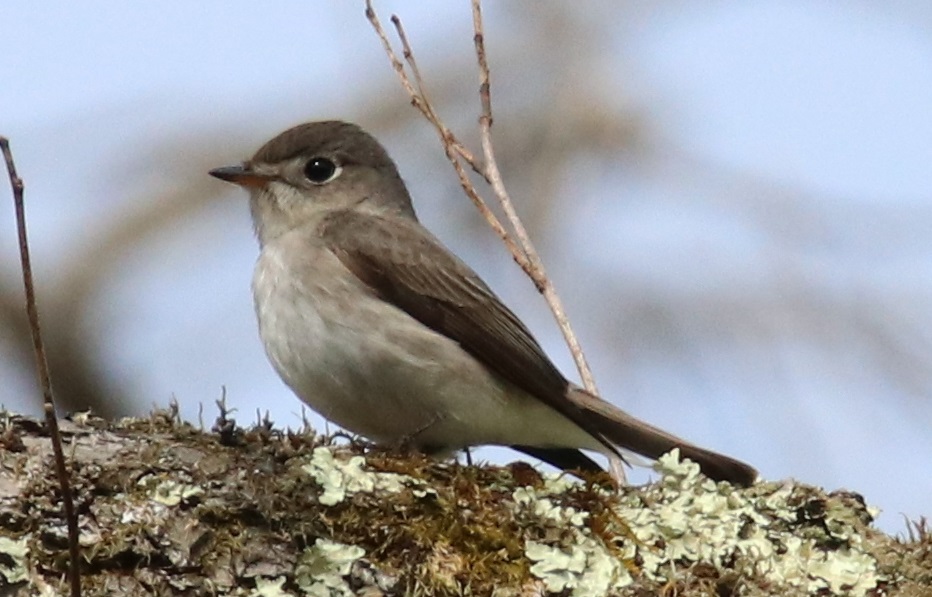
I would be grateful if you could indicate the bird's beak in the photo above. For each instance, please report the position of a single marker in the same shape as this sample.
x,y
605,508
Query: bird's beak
x,y
243,176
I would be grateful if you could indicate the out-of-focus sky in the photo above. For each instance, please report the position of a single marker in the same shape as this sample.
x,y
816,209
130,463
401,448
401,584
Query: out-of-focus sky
x,y
785,186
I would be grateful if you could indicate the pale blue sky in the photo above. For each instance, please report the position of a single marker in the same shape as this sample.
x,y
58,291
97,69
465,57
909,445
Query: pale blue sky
x,y
826,103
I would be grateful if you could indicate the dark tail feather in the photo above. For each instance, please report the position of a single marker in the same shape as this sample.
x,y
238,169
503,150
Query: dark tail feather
x,y
567,459
630,433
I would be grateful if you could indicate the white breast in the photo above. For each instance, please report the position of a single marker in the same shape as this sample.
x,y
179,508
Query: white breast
x,y
374,370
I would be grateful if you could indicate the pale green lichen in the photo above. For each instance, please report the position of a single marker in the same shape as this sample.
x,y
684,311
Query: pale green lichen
x,y
271,587
322,567
686,519
544,508
172,493
697,520
13,564
585,568
46,590
579,562
558,569
159,496
342,477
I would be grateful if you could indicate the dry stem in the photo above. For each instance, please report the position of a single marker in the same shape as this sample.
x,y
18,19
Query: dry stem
x,y
42,368
523,250
451,146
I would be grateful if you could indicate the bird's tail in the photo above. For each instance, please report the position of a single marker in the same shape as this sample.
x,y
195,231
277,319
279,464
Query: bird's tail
x,y
630,433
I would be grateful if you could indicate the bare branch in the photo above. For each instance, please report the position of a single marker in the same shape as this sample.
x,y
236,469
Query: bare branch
x,y
423,100
453,149
523,251
485,87
42,369
537,272
397,65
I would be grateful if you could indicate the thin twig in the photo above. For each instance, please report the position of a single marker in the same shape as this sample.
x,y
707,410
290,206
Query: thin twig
x,y
416,91
446,135
408,54
397,64
42,368
538,273
453,149
485,79
523,251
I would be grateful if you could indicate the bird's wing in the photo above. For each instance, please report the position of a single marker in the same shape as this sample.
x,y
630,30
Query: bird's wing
x,y
406,266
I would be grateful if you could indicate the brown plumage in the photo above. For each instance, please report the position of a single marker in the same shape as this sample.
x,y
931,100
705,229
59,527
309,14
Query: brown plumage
x,y
434,356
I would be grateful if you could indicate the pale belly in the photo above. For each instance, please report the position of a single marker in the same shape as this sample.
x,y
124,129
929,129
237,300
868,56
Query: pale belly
x,y
372,369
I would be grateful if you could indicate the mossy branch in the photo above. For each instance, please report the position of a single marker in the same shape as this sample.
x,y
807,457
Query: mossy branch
x,y
166,508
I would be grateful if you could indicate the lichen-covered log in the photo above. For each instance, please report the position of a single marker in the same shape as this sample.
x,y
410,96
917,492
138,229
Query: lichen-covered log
x,y
167,509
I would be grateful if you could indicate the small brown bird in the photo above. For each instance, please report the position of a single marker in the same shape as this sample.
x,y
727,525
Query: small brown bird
x,y
378,327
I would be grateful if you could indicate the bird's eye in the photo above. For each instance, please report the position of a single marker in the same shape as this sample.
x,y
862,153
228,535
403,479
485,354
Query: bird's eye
x,y
321,170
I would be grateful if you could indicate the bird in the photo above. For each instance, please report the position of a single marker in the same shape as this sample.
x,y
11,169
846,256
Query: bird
x,y
371,321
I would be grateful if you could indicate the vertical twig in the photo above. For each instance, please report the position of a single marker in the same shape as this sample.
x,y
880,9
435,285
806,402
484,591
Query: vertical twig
x,y
523,251
452,147
492,174
42,369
